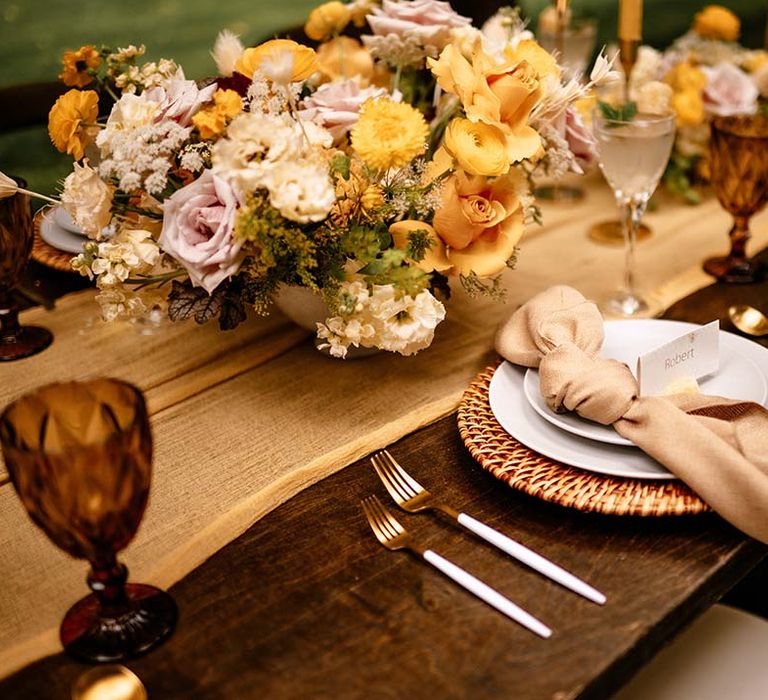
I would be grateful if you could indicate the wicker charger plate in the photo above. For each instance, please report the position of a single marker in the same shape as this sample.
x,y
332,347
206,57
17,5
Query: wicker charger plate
x,y
528,471
46,254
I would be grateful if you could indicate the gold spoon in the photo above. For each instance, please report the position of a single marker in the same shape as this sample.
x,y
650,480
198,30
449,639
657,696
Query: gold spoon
x,y
112,682
748,319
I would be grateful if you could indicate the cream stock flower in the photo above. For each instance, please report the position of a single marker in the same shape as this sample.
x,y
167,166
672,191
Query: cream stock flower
x,y
87,199
301,191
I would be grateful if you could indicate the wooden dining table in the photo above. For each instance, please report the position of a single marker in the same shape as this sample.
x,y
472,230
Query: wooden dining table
x,y
283,590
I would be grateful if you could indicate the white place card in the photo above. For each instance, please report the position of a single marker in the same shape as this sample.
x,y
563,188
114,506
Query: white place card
x,y
695,354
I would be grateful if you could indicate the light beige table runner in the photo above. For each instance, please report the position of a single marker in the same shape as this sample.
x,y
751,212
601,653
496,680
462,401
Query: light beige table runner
x,y
245,420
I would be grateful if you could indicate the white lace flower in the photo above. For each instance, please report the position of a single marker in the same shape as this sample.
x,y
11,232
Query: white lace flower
x,y
301,190
87,199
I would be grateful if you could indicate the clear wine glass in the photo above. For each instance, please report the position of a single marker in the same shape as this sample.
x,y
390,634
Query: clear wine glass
x,y
632,155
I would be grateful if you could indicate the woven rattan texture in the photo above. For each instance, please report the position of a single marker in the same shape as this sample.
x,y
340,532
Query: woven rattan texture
x,y
528,471
48,255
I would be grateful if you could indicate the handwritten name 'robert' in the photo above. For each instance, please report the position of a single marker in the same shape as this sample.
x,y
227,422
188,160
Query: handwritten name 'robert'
x,y
671,362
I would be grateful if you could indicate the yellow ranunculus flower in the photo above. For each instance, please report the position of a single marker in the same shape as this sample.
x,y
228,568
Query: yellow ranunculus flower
x,y
689,107
717,22
685,76
70,119
754,60
345,57
389,134
478,148
76,64
501,95
304,58
327,19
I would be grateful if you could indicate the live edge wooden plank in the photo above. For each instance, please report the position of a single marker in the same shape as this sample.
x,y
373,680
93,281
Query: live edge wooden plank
x,y
306,604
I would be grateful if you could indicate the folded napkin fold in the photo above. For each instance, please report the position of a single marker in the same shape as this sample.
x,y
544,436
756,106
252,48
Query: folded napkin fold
x,y
719,447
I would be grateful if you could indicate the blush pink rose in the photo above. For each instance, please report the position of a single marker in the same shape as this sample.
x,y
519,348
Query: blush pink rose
x,y
580,140
729,91
430,21
198,221
179,99
336,106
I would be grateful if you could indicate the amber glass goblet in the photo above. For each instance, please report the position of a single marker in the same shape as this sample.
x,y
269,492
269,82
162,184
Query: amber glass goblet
x,y
16,236
739,177
80,457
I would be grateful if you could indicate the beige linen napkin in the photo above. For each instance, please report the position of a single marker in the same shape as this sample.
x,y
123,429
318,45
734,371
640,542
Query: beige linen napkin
x,y
719,447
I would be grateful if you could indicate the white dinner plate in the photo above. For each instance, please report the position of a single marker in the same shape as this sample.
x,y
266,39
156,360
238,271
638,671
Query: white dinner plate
x,y
738,377
64,220
58,237
517,417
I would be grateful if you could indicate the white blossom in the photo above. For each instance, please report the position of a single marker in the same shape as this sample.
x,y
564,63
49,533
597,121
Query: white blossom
x,y
381,318
300,190
87,199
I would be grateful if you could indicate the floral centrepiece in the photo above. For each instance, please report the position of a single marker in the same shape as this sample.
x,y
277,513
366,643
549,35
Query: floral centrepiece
x,y
372,172
705,73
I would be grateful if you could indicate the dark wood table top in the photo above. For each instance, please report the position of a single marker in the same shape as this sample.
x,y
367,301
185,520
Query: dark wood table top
x,y
306,603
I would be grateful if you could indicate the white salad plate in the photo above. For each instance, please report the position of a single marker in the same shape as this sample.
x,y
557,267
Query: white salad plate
x,y
516,415
60,238
738,377
64,220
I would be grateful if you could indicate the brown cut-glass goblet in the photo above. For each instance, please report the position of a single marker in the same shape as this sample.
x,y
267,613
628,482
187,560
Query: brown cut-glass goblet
x,y
80,457
739,177
16,236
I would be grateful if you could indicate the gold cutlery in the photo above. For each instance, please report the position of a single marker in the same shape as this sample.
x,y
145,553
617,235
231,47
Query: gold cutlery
x,y
412,497
394,536
748,319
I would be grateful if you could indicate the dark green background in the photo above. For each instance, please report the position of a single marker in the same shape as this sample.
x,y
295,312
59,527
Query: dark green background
x,y
34,33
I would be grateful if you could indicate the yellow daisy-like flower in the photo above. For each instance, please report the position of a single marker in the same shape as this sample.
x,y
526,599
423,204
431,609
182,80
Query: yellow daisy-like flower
x,y
69,120
213,119
76,64
389,134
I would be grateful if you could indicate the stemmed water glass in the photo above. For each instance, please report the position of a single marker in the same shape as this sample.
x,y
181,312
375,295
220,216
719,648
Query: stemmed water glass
x,y
632,155
80,457
16,237
739,176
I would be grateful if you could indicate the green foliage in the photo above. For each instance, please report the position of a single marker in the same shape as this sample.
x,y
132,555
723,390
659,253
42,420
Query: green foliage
x,y
419,242
625,112
678,177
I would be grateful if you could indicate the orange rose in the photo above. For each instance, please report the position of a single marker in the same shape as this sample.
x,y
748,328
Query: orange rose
x,y
475,230
304,58
501,95
345,57
481,221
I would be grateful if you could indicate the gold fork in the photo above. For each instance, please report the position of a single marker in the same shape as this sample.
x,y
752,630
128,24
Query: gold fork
x,y
394,536
412,497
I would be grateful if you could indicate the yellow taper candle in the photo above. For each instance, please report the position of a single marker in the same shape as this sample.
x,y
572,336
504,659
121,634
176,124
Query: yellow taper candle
x,y
631,20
